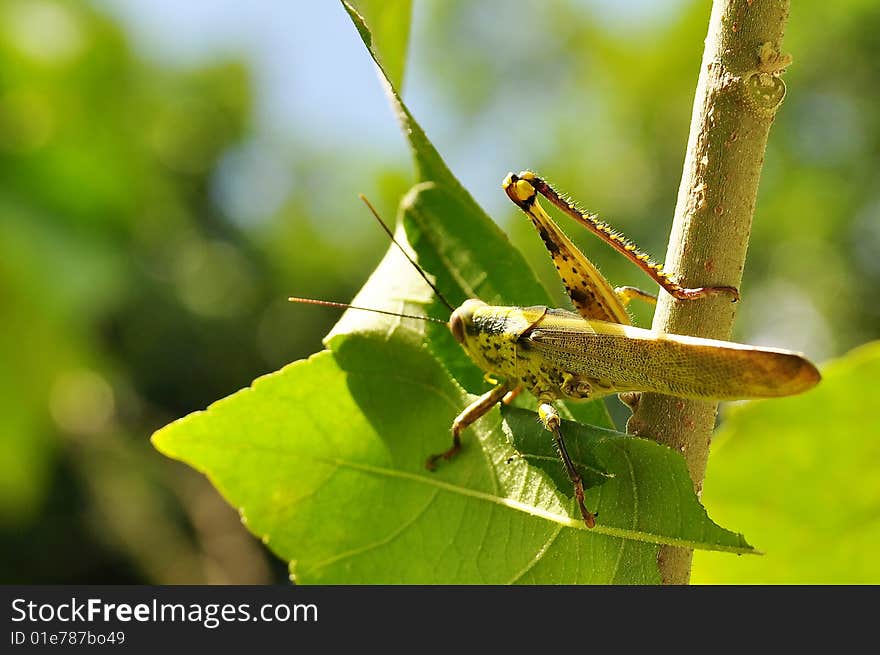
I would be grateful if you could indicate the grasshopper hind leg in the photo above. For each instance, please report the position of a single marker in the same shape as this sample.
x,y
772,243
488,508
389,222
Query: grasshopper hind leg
x,y
550,419
477,409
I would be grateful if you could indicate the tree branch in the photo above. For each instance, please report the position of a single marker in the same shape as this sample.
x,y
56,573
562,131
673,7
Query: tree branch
x,y
738,93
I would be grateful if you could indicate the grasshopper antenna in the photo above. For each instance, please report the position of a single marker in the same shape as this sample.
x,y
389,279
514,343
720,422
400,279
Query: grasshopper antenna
x,y
328,303
405,253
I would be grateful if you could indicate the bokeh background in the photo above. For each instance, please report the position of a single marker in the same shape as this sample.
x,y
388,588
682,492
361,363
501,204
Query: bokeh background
x,y
171,171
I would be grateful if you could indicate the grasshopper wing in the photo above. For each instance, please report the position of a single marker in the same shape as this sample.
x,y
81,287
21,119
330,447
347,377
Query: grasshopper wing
x,y
617,357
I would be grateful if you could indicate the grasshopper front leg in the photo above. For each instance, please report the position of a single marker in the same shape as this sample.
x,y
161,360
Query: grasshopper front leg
x,y
550,418
477,409
627,294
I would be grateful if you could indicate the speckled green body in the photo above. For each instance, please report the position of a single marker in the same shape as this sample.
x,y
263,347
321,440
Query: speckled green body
x,y
497,340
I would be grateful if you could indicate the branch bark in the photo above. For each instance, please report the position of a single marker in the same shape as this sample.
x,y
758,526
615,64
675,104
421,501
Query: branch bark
x,y
738,93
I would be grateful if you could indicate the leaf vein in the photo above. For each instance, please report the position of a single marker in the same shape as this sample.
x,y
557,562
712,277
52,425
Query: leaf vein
x,y
354,552
537,512
538,556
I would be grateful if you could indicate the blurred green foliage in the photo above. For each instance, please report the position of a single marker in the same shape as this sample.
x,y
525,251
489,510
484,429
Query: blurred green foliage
x,y
802,482
130,297
117,276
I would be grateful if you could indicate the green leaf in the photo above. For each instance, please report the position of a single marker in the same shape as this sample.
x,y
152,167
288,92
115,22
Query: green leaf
x,y
800,474
365,510
389,23
429,165
646,492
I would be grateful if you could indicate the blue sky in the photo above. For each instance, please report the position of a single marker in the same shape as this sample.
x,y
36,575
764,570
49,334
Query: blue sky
x,y
340,99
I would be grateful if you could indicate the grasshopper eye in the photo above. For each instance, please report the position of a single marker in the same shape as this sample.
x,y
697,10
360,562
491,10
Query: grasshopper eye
x,y
456,325
462,317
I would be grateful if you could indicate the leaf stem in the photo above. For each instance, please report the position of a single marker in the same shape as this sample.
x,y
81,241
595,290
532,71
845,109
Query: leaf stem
x,y
738,93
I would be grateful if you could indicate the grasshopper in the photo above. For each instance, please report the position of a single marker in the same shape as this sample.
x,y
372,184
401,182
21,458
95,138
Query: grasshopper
x,y
556,354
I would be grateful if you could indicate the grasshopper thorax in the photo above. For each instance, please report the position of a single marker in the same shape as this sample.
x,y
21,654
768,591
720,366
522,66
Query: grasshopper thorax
x,y
492,335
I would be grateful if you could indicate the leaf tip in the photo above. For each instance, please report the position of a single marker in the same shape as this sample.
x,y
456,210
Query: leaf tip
x,y
359,23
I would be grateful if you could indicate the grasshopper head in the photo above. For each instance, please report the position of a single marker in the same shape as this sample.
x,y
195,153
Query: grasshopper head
x,y
462,317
